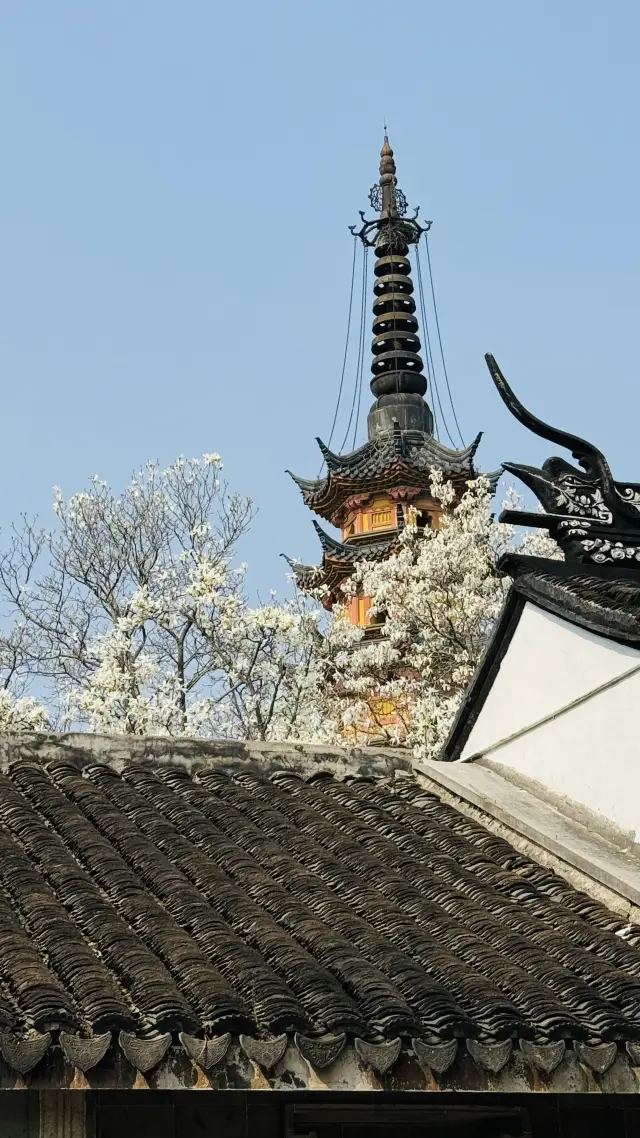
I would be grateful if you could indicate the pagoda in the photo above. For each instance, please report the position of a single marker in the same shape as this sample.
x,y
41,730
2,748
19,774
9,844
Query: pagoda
x,y
370,493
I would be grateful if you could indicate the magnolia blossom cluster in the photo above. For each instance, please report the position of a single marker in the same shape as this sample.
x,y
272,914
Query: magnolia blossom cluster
x,y
132,616
22,714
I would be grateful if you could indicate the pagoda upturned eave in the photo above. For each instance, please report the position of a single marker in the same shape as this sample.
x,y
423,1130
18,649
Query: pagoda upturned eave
x,y
387,462
369,548
339,560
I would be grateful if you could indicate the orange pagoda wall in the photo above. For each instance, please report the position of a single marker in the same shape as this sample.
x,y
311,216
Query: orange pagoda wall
x,y
380,515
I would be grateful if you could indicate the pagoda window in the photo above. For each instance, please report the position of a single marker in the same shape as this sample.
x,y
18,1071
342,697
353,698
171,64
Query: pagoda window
x,y
378,619
381,517
424,519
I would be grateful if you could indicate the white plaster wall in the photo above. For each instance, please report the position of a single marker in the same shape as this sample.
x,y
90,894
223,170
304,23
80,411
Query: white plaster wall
x,y
589,754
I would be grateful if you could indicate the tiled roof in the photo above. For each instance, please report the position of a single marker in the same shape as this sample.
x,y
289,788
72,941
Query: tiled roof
x,y
417,448
394,458
150,900
214,894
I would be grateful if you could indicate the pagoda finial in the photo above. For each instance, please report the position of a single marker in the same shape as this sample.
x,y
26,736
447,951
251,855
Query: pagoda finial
x,y
387,180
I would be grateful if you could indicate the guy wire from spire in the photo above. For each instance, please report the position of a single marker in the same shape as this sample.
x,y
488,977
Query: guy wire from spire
x,y
346,347
435,312
363,333
429,352
436,428
363,310
432,382
428,355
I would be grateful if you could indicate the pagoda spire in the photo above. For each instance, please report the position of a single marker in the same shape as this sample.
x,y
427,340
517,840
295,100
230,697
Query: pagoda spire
x,y
371,493
397,379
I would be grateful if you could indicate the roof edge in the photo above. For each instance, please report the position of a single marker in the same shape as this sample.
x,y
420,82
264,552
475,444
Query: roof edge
x,y
484,676
291,1063
537,579
524,590
539,826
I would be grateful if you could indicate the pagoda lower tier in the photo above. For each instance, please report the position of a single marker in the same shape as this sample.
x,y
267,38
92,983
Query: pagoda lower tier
x,y
396,462
371,494
339,559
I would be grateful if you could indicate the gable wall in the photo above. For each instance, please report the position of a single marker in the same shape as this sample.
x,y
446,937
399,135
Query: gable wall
x,y
588,753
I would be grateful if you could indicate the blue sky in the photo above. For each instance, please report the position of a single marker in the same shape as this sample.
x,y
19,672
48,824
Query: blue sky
x,y
178,179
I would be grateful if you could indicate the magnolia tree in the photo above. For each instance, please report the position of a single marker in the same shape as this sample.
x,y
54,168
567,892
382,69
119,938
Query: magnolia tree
x,y
130,616
438,597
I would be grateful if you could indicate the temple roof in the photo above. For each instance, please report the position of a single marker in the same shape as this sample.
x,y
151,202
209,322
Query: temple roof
x,y
392,458
213,900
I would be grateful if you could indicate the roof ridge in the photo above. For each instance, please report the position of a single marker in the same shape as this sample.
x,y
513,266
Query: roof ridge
x,y
192,754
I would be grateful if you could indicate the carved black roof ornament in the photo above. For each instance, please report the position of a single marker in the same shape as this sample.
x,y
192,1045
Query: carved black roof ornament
x,y
593,518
